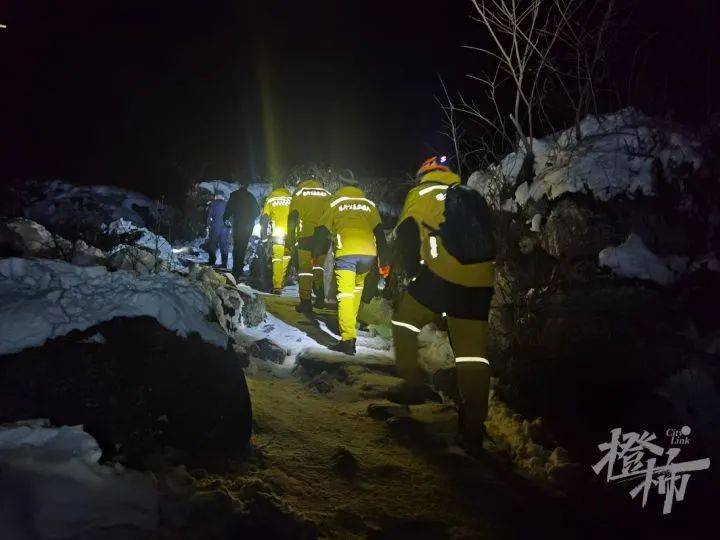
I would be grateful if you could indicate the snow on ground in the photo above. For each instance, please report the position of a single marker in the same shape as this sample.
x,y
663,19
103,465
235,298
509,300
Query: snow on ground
x,y
192,251
44,299
435,351
52,486
632,259
295,341
285,335
510,432
63,202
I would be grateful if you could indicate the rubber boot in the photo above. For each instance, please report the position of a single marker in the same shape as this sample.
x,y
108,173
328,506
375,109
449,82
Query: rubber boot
x,y
412,394
346,346
472,440
305,306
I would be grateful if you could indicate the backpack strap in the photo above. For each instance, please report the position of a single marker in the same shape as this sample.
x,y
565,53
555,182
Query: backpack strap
x,y
433,230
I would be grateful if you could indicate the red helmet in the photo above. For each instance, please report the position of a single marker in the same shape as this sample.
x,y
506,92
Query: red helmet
x,y
433,164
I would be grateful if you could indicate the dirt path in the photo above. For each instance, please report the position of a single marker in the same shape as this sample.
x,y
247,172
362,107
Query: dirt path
x,y
354,476
322,466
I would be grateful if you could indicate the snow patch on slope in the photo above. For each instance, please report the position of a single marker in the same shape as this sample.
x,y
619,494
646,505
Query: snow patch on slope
x,y
633,259
294,341
44,299
52,486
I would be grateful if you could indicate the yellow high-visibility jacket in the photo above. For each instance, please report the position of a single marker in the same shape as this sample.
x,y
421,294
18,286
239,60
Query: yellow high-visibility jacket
x,y
277,209
351,219
425,203
310,201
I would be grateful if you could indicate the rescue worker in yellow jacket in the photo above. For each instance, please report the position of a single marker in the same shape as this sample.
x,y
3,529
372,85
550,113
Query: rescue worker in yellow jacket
x,y
353,224
307,208
443,286
274,222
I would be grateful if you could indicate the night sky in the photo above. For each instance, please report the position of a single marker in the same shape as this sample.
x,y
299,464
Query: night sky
x,y
150,94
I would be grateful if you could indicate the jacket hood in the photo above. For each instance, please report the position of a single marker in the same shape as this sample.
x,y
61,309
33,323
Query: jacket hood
x,y
279,192
442,177
309,184
349,191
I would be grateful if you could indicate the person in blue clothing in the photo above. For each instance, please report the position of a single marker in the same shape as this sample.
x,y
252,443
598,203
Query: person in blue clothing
x,y
218,232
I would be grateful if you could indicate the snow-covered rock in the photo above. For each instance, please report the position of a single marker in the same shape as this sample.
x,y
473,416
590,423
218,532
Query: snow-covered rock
x,y
622,153
235,306
259,190
52,486
155,244
633,259
623,196
59,202
44,299
619,154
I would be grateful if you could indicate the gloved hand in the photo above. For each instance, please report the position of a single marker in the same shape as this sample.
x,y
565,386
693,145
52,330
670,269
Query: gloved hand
x,y
288,251
384,271
315,261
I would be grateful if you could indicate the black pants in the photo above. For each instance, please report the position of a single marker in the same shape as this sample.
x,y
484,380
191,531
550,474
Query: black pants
x,y
241,236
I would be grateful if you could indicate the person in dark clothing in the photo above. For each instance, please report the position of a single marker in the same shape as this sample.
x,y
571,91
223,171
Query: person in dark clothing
x,y
218,232
241,211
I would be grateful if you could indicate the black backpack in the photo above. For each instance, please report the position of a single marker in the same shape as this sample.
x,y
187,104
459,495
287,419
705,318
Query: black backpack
x,y
467,232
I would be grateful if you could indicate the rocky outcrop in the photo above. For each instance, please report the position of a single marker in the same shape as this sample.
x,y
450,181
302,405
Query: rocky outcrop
x,y
87,255
604,278
574,231
138,391
24,237
234,306
31,239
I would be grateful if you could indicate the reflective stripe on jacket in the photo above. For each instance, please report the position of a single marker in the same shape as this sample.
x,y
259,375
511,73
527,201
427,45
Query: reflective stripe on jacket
x,y
351,219
277,209
310,202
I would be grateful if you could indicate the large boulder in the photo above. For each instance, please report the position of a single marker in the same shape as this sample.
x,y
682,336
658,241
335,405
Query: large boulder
x,y
135,386
30,239
25,237
573,231
87,255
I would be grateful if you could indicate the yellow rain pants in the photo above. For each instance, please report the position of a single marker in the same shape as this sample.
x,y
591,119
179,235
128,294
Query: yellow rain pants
x,y
468,338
